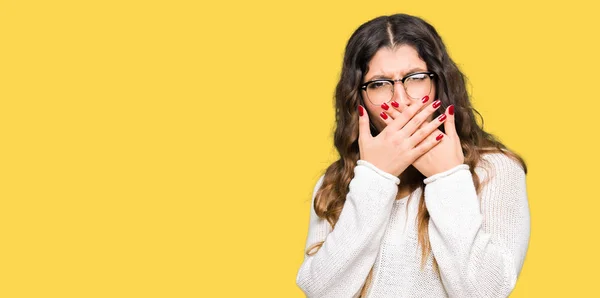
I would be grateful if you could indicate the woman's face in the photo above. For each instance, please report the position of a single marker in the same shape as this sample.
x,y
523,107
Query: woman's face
x,y
394,64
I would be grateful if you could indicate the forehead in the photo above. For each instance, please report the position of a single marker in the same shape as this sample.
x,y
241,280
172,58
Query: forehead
x,y
395,62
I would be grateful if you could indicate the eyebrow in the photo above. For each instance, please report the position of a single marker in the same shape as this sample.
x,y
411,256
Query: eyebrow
x,y
382,76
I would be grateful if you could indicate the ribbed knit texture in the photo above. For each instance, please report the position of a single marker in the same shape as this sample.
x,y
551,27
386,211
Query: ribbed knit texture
x,y
479,241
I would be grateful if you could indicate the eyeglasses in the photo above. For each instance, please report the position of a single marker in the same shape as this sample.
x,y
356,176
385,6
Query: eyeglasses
x,y
416,85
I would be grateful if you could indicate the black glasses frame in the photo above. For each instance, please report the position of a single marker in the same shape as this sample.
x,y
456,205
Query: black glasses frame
x,y
393,82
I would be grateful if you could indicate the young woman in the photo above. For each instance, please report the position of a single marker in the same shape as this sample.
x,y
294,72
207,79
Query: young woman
x,y
422,202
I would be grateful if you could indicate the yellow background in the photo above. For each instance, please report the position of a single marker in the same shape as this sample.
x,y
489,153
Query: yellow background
x,y
170,148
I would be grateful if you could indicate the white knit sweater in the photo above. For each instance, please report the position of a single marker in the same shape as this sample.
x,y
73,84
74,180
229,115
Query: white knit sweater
x,y
479,241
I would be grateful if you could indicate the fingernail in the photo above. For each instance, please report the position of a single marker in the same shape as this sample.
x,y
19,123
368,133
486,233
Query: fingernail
x,y
385,106
442,117
360,111
383,115
451,110
395,104
436,104
425,99
439,137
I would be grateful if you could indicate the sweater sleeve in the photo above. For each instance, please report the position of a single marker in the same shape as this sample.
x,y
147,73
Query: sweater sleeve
x,y
479,243
339,268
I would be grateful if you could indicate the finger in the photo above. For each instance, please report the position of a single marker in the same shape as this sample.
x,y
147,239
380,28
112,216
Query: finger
x,y
431,141
401,106
450,125
426,130
386,117
363,123
407,114
421,117
393,111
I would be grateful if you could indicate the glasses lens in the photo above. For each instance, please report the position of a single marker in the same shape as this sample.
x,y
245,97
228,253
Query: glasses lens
x,y
418,85
380,92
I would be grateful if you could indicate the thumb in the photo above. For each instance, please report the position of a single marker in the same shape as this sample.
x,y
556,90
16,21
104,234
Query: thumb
x,y
363,124
449,125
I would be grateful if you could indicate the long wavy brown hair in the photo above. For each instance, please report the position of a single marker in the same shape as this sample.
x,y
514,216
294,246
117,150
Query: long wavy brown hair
x,y
392,31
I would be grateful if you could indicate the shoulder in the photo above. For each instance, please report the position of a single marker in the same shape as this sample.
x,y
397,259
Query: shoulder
x,y
499,165
318,185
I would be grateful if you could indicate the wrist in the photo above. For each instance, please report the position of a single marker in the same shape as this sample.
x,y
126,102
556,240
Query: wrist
x,y
446,173
379,171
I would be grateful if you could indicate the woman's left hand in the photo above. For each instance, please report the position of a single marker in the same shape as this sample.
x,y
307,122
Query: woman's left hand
x,y
447,154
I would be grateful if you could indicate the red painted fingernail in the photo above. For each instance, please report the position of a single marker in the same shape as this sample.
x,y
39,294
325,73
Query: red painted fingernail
x,y
425,99
395,104
360,110
451,110
442,117
385,106
439,137
383,115
437,103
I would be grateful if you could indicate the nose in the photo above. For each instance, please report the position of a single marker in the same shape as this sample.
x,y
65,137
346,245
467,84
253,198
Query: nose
x,y
400,96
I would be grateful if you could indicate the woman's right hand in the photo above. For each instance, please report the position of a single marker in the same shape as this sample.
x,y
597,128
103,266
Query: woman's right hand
x,y
402,141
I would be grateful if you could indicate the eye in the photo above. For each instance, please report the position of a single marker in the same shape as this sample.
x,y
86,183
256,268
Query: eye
x,y
418,77
378,84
